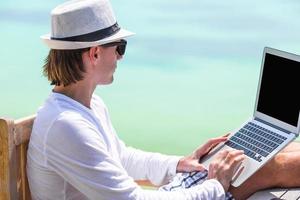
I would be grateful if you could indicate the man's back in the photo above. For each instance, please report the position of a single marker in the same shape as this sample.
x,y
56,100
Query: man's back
x,y
44,182
45,146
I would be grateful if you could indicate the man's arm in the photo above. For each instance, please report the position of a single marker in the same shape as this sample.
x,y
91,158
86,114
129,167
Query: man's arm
x,y
85,163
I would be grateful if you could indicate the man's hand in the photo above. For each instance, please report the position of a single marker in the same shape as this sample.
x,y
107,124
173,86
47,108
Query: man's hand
x,y
191,163
224,166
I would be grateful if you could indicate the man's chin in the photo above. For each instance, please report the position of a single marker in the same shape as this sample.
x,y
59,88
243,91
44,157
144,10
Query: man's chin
x,y
108,82
111,80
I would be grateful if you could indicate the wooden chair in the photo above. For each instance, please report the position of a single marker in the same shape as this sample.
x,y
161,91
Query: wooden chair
x,y
14,138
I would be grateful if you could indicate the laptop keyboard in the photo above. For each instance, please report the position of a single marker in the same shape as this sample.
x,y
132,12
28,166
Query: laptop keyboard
x,y
255,141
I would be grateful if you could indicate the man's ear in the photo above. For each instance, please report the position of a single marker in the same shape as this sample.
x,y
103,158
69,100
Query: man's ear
x,y
94,54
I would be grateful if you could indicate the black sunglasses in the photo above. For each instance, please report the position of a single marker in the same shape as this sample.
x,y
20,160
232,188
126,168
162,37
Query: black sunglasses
x,y
121,46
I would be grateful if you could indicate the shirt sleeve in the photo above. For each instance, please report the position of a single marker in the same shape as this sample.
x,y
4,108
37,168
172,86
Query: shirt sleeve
x,y
155,167
141,165
77,153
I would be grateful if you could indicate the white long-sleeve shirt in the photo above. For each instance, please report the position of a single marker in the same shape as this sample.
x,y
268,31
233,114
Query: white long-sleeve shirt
x,y
75,154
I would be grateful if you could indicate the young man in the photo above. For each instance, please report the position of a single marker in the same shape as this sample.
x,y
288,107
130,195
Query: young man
x,y
74,152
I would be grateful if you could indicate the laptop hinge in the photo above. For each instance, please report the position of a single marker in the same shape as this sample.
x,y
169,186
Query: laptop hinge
x,y
272,125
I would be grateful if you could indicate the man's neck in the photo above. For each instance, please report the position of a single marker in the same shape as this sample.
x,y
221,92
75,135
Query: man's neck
x,y
79,92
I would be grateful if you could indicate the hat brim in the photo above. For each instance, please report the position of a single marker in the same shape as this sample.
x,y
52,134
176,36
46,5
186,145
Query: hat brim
x,y
60,44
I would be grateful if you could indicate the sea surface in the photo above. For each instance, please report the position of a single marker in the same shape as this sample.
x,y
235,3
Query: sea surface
x,y
190,73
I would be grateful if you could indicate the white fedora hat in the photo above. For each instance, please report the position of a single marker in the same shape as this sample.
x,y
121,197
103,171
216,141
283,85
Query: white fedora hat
x,y
79,24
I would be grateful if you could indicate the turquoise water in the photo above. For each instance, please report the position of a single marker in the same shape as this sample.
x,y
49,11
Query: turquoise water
x,y
189,74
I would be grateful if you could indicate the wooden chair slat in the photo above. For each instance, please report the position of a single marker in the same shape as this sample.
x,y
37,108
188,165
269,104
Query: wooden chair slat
x,y
8,162
22,129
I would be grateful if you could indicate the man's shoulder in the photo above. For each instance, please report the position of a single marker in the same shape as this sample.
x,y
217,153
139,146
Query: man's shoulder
x,y
97,100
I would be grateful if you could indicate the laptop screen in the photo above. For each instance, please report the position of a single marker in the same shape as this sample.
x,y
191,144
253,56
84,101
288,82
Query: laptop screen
x,y
279,90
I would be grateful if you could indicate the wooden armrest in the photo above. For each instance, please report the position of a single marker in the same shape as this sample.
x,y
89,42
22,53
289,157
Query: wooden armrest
x,y
145,183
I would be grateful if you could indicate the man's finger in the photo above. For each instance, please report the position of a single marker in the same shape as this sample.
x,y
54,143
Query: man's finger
x,y
222,155
234,157
199,167
226,135
209,145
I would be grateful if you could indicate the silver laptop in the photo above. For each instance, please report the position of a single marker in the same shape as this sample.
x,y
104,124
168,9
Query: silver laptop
x,y
276,118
